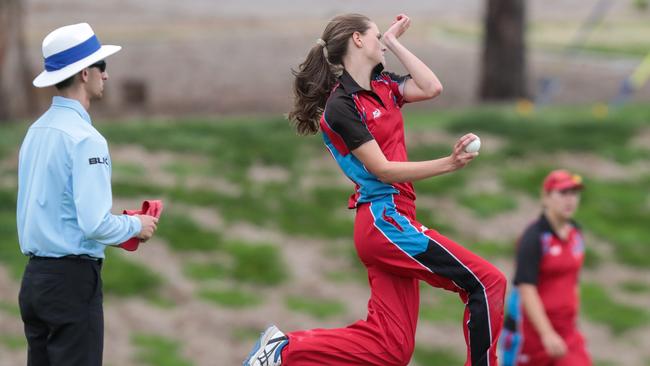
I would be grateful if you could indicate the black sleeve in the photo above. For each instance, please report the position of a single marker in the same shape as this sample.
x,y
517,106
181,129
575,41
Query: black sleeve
x,y
529,255
398,79
397,85
342,116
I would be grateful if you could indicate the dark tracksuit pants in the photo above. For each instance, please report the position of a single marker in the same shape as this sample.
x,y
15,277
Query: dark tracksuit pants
x,y
398,252
61,307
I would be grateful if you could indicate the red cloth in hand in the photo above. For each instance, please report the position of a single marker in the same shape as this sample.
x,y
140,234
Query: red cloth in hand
x,y
152,208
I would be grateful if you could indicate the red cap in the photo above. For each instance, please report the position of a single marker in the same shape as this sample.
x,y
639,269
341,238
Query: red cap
x,y
559,180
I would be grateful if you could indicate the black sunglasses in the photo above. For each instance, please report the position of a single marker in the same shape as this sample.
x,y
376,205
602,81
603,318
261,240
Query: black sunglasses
x,y
101,65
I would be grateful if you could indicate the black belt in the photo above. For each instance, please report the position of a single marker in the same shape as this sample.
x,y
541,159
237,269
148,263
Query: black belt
x,y
69,256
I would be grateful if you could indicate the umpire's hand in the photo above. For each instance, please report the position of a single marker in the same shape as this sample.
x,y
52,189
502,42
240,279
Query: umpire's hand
x,y
149,225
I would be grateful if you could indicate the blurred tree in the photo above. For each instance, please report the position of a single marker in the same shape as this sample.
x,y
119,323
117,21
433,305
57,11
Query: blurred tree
x,y
504,62
12,39
4,40
641,4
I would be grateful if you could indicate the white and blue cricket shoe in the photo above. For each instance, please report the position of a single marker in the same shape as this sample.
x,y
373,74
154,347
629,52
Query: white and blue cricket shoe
x,y
267,351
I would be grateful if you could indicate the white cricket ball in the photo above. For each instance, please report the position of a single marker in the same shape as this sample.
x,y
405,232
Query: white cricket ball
x,y
473,146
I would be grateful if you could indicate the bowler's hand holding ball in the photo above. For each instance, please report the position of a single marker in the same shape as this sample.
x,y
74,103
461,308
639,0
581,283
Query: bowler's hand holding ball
x,y
473,146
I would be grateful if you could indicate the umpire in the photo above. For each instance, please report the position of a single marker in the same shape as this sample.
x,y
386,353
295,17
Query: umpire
x,y
63,211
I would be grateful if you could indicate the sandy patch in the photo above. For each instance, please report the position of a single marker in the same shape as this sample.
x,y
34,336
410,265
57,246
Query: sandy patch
x,y
503,227
642,139
268,174
595,166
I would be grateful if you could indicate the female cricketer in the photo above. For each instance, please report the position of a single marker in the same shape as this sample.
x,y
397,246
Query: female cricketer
x,y
342,90
541,325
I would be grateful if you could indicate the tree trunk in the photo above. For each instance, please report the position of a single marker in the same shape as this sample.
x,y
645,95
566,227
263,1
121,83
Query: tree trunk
x,y
24,64
504,62
12,43
5,10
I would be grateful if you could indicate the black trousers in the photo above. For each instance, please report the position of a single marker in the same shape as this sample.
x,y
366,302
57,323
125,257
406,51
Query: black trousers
x,y
61,307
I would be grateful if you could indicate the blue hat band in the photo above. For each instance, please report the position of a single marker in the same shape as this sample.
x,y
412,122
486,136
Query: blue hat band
x,y
72,55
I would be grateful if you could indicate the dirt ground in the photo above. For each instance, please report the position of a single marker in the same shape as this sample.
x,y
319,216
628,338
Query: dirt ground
x,y
201,57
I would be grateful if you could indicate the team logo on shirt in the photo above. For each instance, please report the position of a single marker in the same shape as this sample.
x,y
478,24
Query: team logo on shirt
x,y
93,161
555,250
376,113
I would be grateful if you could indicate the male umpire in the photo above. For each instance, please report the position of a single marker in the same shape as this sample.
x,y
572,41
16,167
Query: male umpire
x,y
64,201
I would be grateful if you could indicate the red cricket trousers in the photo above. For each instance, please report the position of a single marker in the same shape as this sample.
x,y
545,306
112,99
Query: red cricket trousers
x,y
398,251
532,351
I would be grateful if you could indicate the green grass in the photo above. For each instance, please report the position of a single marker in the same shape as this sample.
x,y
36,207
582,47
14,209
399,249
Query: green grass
x,y
440,306
13,342
321,212
553,130
528,179
225,140
350,267
618,212
231,298
443,184
11,136
604,363
133,188
204,271
10,308
128,170
491,249
316,307
599,307
259,264
162,301
426,356
245,334
8,200
486,205
429,151
238,208
359,276
592,258
155,350
10,254
254,263
435,219
183,234
182,169
636,287
123,277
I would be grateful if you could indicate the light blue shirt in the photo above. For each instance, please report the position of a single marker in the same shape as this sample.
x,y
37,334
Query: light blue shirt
x,y
64,187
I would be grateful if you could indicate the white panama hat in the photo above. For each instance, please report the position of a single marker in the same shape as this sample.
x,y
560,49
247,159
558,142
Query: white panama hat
x,y
68,50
